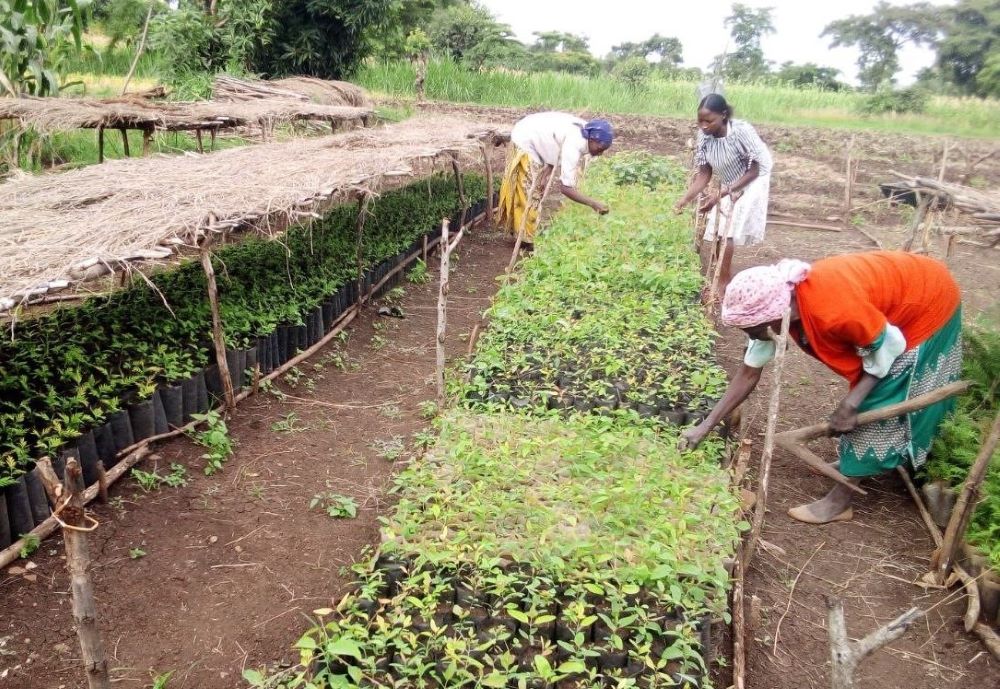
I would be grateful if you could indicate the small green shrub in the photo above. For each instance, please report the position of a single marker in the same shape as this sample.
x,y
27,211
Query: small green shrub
x,y
898,101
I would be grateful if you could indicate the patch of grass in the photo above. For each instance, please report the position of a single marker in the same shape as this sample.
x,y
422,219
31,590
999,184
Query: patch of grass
x,y
289,423
30,545
389,449
757,102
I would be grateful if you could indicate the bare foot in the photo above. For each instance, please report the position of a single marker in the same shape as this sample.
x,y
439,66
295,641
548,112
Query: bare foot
x,y
835,506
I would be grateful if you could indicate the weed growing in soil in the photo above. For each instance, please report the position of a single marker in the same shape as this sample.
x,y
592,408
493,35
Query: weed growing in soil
x,y
153,480
215,439
136,553
428,409
335,505
390,449
289,423
30,545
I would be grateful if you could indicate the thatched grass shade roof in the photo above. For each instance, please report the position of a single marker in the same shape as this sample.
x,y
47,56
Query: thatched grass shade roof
x,y
58,229
62,114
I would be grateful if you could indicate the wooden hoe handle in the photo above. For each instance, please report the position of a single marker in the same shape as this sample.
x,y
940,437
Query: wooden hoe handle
x,y
794,440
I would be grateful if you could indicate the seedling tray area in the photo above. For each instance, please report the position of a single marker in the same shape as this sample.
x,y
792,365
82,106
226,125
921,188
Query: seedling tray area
x,y
94,379
540,544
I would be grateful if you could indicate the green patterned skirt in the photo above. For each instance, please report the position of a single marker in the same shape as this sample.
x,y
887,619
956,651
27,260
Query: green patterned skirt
x,y
874,448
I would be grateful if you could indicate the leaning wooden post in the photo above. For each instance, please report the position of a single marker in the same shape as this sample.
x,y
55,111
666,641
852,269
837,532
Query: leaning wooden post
x,y
489,185
218,338
147,141
846,656
442,310
967,500
460,187
724,245
363,200
72,516
760,508
124,133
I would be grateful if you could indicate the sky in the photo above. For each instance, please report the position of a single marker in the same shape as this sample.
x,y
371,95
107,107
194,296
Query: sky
x,y
699,26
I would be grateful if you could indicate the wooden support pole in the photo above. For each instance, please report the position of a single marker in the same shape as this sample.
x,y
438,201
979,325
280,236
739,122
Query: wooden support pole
x,y
723,245
100,144
967,500
211,133
147,141
124,133
75,526
359,225
760,507
217,335
460,188
944,160
442,311
138,51
488,166
923,204
423,252
197,136
845,656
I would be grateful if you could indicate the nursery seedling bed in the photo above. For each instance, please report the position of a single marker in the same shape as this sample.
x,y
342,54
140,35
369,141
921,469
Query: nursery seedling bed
x,y
568,551
207,604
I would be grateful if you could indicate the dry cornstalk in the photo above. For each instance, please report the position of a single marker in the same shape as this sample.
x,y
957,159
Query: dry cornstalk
x,y
69,511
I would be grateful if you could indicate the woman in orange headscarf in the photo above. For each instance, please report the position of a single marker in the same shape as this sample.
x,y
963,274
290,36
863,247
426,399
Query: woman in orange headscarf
x,y
887,321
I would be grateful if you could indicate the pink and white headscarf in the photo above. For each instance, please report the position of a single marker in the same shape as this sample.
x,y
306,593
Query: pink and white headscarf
x,y
762,294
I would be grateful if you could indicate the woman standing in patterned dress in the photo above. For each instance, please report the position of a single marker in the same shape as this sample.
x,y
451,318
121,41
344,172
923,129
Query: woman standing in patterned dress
x,y
889,322
733,150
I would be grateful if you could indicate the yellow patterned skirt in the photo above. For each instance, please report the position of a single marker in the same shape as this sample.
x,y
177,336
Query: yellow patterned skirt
x,y
516,195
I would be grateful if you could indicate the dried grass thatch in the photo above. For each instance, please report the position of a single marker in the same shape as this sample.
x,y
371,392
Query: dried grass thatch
x,y
61,114
69,227
306,89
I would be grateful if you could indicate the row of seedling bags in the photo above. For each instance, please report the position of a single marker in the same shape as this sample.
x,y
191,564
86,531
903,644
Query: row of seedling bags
x,y
24,504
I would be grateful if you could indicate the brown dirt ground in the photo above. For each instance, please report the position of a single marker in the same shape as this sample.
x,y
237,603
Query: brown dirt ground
x,y
236,560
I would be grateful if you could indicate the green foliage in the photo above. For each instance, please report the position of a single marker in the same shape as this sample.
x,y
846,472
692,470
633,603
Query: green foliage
x,y
214,437
29,547
633,72
880,35
471,34
607,317
896,101
759,102
747,26
122,20
418,273
153,480
335,505
185,40
809,74
961,436
36,39
138,554
968,52
668,51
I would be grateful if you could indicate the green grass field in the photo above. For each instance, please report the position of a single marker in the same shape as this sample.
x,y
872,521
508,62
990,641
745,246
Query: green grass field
x,y
764,103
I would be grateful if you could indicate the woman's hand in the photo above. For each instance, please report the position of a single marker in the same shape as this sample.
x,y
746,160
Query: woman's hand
x,y
600,207
692,437
844,419
710,202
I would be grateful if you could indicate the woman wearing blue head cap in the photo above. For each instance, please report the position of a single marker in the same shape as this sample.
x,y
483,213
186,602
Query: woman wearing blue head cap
x,y
543,143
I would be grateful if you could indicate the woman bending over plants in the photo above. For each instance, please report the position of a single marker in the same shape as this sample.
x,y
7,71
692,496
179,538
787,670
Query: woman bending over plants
x,y
733,149
887,321
543,142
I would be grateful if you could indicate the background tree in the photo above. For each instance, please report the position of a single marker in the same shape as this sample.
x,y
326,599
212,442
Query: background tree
x,y
879,36
747,26
36,37
988,77
561,52
667,51
471,34
810,74
970,38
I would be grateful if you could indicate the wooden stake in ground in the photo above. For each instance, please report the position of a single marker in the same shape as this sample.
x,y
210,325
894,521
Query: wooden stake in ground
x,y
760,509
442,312
75,527
359,227
723,244
846,656
490,213
218,338
850,173
460,188
959,521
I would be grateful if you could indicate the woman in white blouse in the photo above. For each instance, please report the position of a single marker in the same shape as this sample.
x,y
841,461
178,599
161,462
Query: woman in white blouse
x,y
732,149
